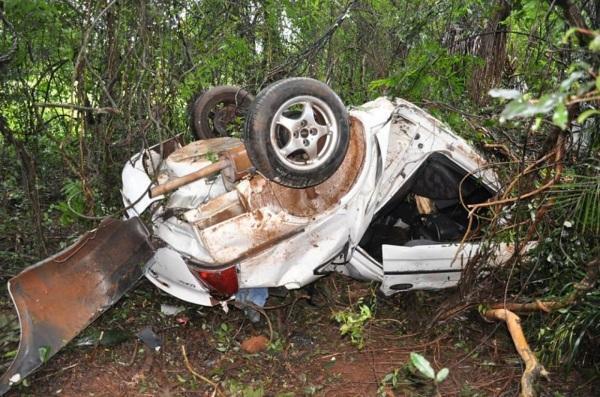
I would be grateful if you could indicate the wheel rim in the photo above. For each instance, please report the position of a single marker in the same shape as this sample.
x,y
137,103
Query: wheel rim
x,y
304,133
221,116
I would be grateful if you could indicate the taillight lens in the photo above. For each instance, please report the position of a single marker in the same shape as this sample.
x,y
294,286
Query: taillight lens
x,y
223,281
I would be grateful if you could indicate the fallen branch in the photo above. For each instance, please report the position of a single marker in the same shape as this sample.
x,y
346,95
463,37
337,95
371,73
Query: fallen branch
x,y
558,168
533,369
586,284
505,312
240,305
502,149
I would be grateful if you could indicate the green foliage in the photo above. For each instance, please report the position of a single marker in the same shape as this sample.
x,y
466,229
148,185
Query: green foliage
x,y
423,367
237,389
568,240
561,258
9,336
430,72
44,353
391,380
416,374
352,321
556,102
276,345
223,335
73,203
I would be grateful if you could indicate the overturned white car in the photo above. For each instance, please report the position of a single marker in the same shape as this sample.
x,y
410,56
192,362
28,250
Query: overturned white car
x,y
377,192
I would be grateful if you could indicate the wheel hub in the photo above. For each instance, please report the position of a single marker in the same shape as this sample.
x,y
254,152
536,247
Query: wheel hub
x,y
304,139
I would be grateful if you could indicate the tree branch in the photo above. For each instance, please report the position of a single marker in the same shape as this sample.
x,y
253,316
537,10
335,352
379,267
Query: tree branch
x,y
105,110
5,58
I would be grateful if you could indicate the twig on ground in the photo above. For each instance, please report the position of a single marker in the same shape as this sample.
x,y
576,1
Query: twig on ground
x,y
133,355
197,375
241,305
587,283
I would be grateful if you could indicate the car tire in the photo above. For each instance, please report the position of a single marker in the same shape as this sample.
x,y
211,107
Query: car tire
x,y
297,132
213,111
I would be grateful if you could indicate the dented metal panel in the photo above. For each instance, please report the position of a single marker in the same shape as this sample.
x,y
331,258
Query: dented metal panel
x,y
60,296
248,233
432,266
169,272
216,210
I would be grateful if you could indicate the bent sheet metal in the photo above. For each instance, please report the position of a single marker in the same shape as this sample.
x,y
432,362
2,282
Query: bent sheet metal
x,y
59,297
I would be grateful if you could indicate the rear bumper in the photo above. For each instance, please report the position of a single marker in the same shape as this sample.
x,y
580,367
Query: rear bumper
x,y
169,272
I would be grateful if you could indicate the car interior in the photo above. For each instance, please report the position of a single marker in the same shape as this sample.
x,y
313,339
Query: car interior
x,y
428,209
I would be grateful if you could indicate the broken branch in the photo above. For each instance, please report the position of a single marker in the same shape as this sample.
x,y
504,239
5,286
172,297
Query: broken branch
x,y
586,284
505,312
533,369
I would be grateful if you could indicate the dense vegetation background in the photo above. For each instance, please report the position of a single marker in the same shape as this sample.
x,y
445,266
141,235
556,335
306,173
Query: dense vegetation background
x,y
84,84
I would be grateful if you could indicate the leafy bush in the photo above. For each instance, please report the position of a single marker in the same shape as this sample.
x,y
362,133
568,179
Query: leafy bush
x,y
352,322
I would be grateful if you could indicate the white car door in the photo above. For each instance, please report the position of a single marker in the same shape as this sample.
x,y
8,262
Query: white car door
x,y
434,266
430,266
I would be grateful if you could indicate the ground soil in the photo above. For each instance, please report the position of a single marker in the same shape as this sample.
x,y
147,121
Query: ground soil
x,y
306,354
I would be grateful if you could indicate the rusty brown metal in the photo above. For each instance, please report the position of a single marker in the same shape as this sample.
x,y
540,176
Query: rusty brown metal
x,y
173,184
262,208
216,210
315,200
59,297
233,163
240,164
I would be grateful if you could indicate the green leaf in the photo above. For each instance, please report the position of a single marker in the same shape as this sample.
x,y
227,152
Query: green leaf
x,y
537,124
595,44
585,115
44,353
504,93
568,82
561,116
568,34
422,365
442,375
523,108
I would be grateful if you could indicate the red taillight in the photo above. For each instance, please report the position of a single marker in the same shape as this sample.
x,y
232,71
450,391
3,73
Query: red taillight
x,y
222,281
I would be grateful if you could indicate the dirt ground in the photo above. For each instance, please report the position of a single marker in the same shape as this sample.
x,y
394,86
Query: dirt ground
x,y
306,354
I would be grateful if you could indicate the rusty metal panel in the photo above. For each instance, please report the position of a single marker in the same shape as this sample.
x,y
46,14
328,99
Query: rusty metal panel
x,y
247,234
318,199
60,296
215,211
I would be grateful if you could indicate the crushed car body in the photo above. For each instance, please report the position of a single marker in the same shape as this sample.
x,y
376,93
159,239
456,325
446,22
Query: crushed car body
x,y
221,236
221,226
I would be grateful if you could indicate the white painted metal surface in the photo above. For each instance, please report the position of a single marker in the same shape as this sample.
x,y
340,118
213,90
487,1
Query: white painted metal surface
x,y
398,137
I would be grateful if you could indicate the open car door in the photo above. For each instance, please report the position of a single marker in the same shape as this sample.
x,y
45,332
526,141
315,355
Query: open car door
x,y
60,296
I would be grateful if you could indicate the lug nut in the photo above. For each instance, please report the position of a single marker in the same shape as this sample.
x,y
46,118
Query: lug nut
x,y
313,131
306,143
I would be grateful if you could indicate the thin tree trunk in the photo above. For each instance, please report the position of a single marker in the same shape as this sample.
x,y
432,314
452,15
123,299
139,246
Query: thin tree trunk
x,y
29,179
